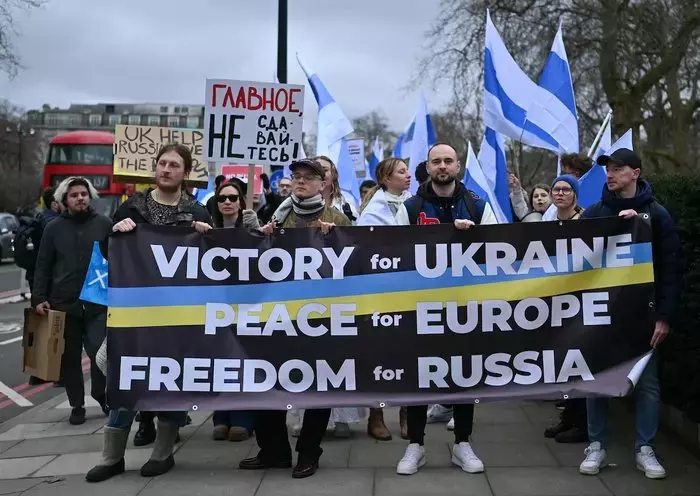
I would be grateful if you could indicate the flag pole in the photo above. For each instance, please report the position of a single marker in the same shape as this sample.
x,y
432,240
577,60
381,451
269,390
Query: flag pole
x,y
599,136
251,186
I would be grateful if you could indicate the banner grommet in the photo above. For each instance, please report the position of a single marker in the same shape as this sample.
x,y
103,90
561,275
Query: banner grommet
x,y
289,407
195,408
476,401
382,404
566,396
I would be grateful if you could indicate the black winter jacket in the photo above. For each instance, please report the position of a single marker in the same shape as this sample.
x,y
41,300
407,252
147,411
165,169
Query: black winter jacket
x,y
666,246
64,257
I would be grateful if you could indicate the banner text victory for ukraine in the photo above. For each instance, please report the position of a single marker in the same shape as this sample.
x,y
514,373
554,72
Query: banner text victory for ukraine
x,y
373,316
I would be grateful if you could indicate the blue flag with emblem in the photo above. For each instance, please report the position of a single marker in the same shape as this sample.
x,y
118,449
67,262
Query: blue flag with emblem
x,y
95,285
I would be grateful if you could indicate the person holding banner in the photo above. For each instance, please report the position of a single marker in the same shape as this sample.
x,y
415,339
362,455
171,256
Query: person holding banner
x,y
306,207
443,200
382,202
626,194
231,211
565,196
167,204
572,164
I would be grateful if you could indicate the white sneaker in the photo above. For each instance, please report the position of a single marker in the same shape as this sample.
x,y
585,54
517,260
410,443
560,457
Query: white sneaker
x,y
464,457
451,424
438,414
595,459
647,463
412,460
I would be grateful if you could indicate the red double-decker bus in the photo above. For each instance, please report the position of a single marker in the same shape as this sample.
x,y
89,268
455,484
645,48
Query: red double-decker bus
x,y
88,154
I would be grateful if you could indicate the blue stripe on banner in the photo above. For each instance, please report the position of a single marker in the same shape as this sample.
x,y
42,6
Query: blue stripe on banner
x,y
556,78
323,288
502,188
511,110
321,94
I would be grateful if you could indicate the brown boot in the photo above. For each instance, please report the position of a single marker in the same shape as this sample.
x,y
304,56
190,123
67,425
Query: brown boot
x,y
376,427
403,416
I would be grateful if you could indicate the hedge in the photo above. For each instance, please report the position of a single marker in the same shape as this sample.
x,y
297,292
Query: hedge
x,y
680,353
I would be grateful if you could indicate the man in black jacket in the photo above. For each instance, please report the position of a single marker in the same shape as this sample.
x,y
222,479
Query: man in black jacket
x,y
626,194
61,267
165,205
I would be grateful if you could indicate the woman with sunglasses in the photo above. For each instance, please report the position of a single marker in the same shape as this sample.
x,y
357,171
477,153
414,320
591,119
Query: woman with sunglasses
x,y
231,211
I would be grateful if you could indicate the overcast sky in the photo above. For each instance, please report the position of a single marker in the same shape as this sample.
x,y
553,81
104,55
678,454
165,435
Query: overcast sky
x,y
161,51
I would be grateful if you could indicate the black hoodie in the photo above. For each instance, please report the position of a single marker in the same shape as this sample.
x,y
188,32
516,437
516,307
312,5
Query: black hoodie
x,y
666,246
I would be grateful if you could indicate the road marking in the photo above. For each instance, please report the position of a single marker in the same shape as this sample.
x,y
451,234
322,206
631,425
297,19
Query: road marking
x,y
10,341
10,328
14,396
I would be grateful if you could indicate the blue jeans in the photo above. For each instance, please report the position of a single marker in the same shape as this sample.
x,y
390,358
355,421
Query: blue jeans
x,y
122,418
231,418
647,400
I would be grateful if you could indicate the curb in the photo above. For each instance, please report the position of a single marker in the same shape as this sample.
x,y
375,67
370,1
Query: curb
x,y
46,405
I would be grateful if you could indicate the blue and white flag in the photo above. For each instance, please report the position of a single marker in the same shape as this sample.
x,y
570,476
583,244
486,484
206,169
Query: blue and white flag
x,y
347,178
95,285
376,156
559,107
413,144
203,194
509,93
590,186
492,159
333,125
402,148
475,180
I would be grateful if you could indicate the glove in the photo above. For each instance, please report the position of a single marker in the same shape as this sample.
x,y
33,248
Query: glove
x,y
265,181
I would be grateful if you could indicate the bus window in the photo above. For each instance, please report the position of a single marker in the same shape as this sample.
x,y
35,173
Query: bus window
x,y
80,155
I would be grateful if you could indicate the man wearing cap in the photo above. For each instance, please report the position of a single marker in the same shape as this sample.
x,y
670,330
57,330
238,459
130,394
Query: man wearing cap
x,y
305,207
626,194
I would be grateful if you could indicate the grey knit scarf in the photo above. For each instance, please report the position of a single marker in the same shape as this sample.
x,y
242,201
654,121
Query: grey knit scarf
x,y
302,207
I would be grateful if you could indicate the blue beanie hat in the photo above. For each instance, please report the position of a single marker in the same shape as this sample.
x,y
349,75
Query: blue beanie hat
x,y
570,180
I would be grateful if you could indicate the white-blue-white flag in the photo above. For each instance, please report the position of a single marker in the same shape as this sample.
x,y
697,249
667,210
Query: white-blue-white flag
x,y
492,157
416,140
333,125
475,180
558,108
375,157
347,178
590,185
402,148
509,93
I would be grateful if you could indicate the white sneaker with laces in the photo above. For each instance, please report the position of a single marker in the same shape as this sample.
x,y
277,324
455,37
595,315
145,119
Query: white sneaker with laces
x,y
647,463
464,457
438,414
595,459
451,424
413,459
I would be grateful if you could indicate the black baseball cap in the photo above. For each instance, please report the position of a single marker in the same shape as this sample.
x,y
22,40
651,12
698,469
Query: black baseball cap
x,y
309,164
622,156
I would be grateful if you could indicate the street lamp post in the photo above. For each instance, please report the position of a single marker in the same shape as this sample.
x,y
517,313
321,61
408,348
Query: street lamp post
x,y
282,41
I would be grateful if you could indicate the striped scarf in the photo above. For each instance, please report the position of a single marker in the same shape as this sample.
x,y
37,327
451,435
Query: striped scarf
x,y
308,206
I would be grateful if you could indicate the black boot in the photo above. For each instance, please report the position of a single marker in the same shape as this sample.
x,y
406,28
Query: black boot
x,y
573,435
162,459
562,426
306,467
146,433
77,416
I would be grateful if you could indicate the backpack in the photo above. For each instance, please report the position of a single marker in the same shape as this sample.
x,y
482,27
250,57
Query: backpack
x,y
414,207
26,244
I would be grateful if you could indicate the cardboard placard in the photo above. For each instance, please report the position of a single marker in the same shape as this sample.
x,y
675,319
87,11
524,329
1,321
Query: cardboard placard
x,y
241,172
136,147
43,344
356,149
252,122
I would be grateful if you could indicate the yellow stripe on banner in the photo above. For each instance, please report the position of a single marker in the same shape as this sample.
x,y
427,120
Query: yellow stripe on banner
x,y
403,301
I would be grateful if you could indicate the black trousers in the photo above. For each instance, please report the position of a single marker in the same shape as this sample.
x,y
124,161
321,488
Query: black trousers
x,y
87,330
271,434
417,419
575,413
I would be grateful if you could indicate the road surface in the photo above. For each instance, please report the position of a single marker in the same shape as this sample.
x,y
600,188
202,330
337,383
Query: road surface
x,y
15,394
10,280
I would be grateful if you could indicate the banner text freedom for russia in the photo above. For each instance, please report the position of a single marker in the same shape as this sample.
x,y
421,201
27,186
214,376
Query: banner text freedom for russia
x,y
377,316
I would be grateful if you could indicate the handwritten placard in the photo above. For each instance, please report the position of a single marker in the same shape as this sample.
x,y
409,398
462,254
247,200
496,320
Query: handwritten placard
x,y
136,147
255,123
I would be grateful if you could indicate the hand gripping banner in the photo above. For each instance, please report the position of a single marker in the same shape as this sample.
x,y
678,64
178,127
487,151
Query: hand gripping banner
x,y
377,316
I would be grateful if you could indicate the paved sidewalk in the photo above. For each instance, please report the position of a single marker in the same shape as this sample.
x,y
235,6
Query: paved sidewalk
x,y
41,454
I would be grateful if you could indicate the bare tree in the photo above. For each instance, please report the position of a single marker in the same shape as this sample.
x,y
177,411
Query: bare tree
x,y
9,60
639,58
371,125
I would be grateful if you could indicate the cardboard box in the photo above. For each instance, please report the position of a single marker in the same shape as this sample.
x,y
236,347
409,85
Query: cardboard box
x,y
43,344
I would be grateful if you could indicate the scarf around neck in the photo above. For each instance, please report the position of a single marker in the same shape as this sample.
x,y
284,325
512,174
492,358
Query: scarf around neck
x,y
308,206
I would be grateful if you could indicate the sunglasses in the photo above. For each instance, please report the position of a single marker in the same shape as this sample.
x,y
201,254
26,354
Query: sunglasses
x,y
223,198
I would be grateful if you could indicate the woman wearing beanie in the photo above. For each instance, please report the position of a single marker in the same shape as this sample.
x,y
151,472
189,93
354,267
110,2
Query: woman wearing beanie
x,y
572,426
565,197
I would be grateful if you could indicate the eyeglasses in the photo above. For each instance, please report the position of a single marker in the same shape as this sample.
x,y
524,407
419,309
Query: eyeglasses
x,y
563,191
306,177
223,198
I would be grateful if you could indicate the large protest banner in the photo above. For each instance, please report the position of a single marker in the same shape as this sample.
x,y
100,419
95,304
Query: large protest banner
x,y
136,147
377,316
252,122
